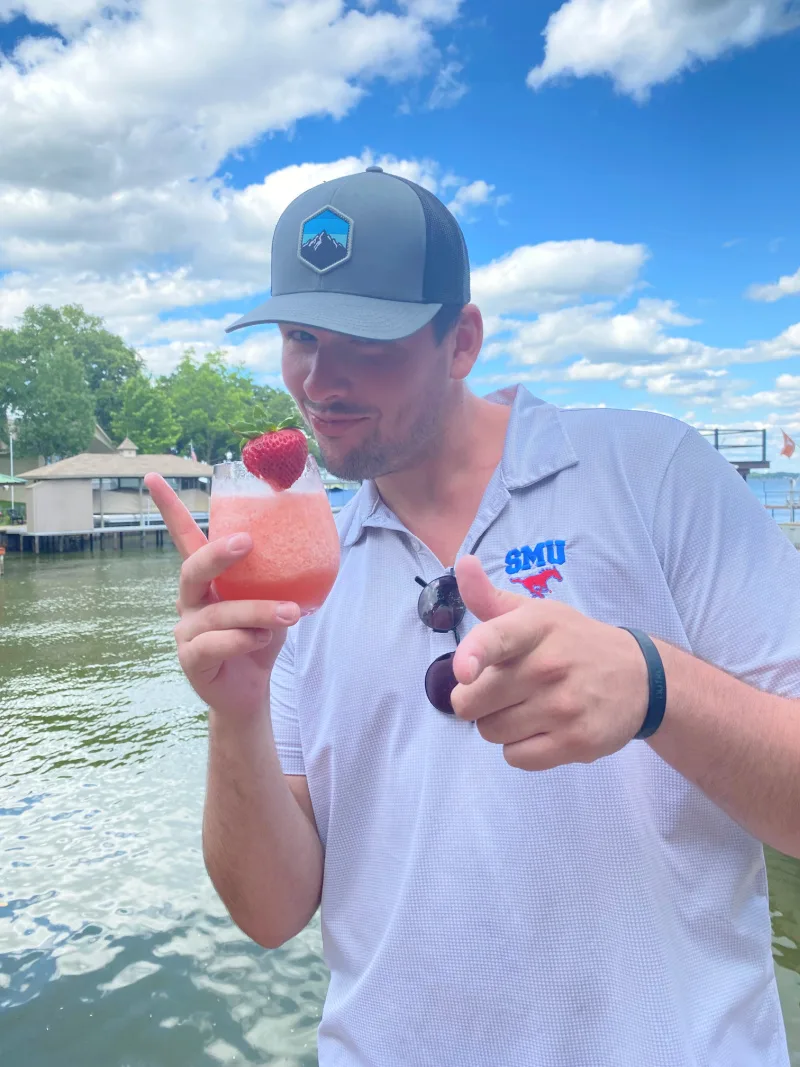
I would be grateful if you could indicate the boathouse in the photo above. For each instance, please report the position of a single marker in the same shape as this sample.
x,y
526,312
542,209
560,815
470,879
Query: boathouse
x,y
106,489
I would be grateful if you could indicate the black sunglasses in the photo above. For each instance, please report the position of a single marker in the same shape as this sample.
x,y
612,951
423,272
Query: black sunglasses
x,y
440,606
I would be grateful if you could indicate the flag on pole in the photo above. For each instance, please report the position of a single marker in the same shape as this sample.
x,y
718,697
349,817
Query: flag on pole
x,y
788,445
192,452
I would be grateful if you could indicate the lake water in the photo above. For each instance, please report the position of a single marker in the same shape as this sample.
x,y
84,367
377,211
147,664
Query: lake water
x,y
114,949
775,492
340,497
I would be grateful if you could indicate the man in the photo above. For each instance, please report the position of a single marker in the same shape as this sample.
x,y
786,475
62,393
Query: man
x,y
525,856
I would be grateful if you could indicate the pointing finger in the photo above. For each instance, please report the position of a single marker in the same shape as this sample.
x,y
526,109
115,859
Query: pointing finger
x,y
184,531
483,599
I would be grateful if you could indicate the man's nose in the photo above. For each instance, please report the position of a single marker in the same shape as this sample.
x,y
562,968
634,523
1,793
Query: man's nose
x,y
325,380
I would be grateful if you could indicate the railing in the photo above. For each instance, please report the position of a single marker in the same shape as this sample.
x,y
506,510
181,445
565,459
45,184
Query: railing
x,y
782,510
787,510
742,441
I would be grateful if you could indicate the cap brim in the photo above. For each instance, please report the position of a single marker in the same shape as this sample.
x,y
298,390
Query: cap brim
x,y
358,316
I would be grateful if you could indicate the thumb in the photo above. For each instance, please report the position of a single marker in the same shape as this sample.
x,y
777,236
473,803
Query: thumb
x,y
480,597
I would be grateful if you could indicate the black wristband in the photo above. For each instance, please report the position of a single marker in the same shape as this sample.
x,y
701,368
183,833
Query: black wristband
x,y
657,681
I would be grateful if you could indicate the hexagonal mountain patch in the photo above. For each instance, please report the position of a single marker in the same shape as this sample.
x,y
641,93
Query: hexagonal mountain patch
x,y
326,239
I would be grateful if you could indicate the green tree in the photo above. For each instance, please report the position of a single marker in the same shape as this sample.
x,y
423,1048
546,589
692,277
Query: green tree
x,y
57,407
11,378
208,397
277,403
146,416
106,360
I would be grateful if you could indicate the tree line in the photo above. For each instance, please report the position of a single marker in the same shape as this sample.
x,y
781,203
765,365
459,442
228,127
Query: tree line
x,y
61,372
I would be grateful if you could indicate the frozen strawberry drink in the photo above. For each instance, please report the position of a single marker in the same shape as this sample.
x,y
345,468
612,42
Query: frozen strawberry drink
x,y
295,552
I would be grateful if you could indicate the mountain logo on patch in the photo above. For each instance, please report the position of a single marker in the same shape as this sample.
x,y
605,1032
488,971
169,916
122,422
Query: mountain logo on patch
x,y
326,240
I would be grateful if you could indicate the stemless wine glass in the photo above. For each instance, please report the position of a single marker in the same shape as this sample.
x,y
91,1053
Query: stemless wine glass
x,y
295,553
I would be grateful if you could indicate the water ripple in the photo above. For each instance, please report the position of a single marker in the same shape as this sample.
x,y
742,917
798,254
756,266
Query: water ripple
x,y
116,949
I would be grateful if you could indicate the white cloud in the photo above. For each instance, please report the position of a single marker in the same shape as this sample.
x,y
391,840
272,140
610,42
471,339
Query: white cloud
x,y
597,332
473,195
121,300
210,227
786,394
433,10
548,275
671,384
447,89
642,43
260,352
68,16
636,348
786,285
790,423
158,90
785,346
61,247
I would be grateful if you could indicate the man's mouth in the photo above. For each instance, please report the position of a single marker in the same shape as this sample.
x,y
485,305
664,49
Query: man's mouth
x,y
334,425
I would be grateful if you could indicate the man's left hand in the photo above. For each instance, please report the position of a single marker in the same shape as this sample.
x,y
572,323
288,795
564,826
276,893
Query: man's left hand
x,y
546,682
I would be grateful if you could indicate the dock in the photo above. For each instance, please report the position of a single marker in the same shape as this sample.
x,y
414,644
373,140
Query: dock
x,y
17,538
745,449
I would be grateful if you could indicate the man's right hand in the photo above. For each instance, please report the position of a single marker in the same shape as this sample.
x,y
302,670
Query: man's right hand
x,y
227,648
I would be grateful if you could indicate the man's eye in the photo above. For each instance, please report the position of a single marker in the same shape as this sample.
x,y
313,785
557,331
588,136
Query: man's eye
x,y
303,336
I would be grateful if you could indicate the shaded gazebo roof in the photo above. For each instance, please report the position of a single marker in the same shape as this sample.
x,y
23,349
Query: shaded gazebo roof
x,y
99,465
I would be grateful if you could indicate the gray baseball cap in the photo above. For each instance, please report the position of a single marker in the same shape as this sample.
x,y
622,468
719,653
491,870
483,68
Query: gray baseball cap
x,y
371,255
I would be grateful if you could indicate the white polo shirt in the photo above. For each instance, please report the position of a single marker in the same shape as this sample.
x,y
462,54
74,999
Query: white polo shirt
x,y
602,915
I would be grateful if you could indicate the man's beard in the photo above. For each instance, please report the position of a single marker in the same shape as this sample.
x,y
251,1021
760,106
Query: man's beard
x,y
375,458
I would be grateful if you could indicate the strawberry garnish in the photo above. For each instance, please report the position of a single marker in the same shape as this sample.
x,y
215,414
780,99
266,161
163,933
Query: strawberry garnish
x,y
276,454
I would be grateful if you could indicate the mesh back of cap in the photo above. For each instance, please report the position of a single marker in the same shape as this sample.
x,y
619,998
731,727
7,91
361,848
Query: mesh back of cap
x,y
446,278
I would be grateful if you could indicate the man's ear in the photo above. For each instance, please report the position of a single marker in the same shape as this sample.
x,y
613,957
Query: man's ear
x,y
468,341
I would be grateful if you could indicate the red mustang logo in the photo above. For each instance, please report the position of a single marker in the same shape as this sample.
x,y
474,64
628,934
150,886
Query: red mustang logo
x,y
536,584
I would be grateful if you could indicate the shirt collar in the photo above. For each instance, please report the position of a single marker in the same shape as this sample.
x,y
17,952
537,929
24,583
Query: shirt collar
x,y
537,444
536,447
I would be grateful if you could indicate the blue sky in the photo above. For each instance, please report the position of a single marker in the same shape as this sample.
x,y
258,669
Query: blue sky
x,y
626,175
